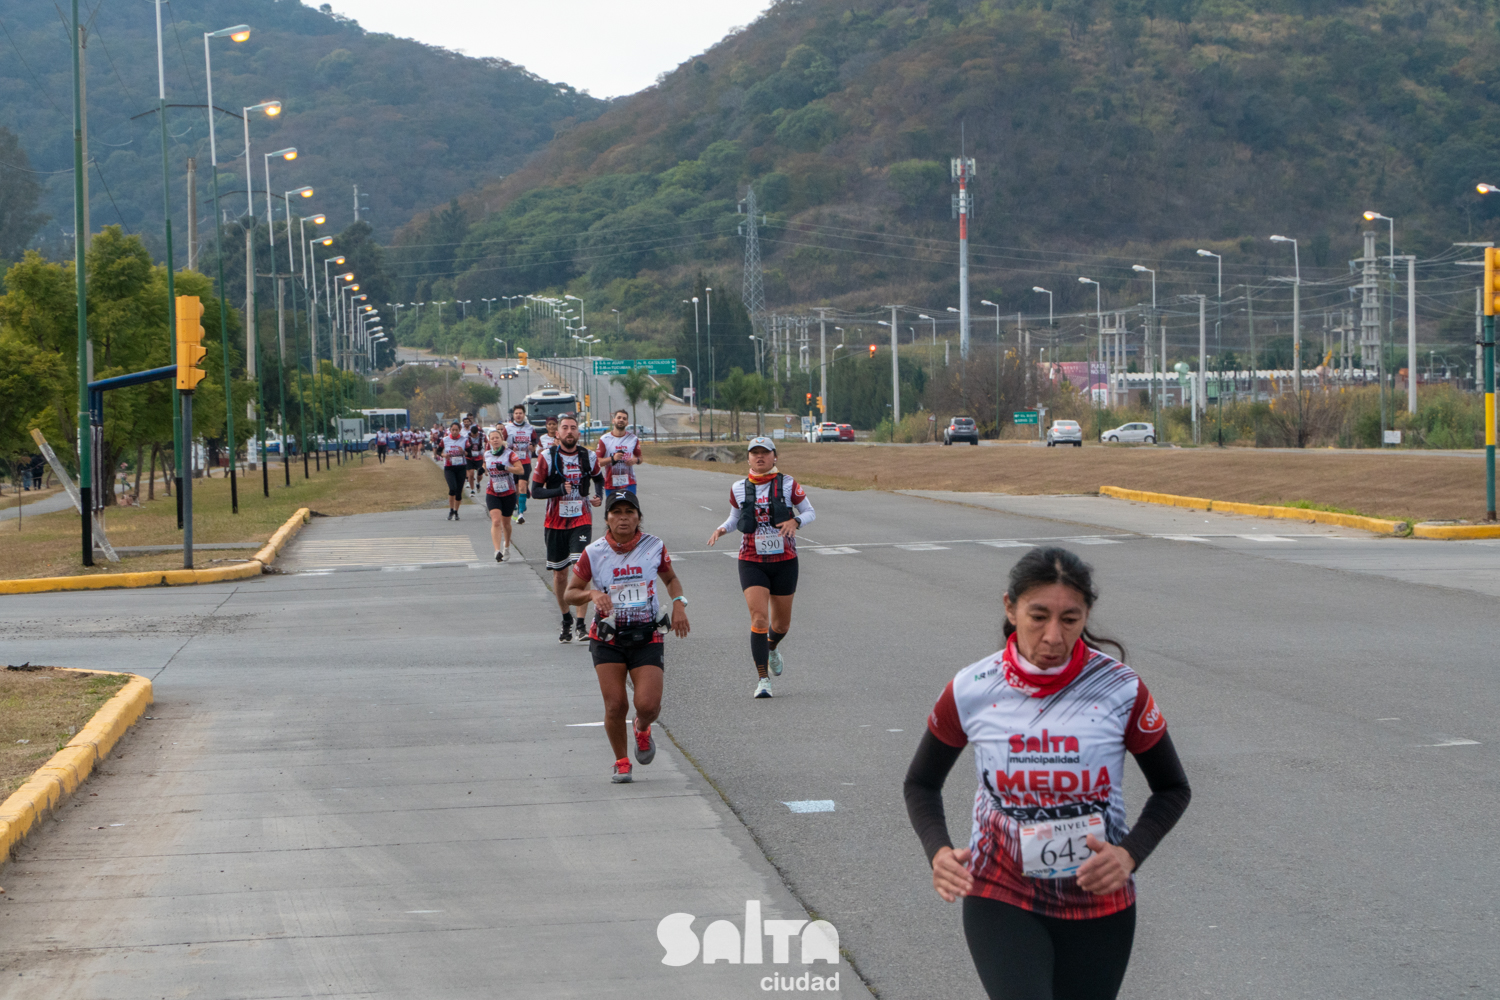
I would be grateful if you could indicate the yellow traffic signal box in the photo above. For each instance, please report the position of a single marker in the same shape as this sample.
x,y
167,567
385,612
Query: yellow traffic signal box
x,y
190,349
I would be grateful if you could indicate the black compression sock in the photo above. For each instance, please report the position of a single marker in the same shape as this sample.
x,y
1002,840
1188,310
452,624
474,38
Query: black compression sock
x,y
759,649
776,638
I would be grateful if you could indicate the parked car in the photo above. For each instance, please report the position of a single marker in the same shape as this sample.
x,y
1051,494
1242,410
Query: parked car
x,y
961,429
846,432
1135,431
1065,432
826,432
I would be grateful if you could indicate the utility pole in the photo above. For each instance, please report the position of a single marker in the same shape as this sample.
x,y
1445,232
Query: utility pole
x,y
822,363
356,205
80,231
192,219
896,372
81,33
1369,307
1491,264
1411,333
961,170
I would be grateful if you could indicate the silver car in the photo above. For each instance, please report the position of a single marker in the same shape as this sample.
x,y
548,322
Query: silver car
x,y
1132,432
1065,432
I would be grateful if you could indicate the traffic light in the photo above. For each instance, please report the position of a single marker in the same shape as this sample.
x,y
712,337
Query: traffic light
x,y
872,350
821,408
809,399
1491,281
587,402
190,349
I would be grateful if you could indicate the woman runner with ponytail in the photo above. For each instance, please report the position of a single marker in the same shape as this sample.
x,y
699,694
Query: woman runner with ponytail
x,y
768,508
1046,881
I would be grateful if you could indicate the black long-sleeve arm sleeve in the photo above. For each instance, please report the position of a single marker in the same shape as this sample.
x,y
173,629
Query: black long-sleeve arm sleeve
x,y
923,790
1170,794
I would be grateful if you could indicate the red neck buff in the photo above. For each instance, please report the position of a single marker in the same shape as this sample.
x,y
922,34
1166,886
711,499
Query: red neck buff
x,y
1038,685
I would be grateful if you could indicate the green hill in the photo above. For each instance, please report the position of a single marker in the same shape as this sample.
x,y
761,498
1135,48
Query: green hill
x,y
410,124
1106,132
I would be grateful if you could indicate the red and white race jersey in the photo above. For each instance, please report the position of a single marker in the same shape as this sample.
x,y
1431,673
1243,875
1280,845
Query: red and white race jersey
x,y
628,576
476,445
496,467
1048,750
767,544
520,437
455,450
618,476
544,441
577,467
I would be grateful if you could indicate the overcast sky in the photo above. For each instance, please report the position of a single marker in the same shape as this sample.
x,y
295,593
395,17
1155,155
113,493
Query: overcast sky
x,y
607,47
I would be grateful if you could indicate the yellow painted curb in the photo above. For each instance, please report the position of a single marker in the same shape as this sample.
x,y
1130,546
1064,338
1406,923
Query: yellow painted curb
x,y
1456,531
67,769
1378,525
167,577
1146,496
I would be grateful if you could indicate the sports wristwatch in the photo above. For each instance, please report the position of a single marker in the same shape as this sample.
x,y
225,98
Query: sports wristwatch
x,y
684,600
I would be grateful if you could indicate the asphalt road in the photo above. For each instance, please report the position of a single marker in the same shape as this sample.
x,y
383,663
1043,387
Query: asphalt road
x,y
1332,694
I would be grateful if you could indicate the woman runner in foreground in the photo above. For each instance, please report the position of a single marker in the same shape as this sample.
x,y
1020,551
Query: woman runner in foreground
x,y
501,467
1047,885
767,508
618,574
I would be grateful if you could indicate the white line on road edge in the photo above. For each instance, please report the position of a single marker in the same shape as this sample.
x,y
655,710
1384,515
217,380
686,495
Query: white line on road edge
x,y
575,725
810,806
1452,741
1263,538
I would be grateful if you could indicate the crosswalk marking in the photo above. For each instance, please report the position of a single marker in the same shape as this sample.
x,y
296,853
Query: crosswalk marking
x,y
1184,538
1004,543
923,547
1094,541
836,550
390,554
1263,538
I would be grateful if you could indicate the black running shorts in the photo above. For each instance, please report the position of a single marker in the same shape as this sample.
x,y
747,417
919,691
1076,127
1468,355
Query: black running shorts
x,y
455,476
525,481
506,504
780,578
647,654
564,544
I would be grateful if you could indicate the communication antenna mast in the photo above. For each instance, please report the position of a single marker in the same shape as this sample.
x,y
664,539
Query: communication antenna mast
x,y
961,170
754,293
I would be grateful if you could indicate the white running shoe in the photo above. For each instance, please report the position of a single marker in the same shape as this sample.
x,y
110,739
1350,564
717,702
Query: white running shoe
x,y
763,689
775,662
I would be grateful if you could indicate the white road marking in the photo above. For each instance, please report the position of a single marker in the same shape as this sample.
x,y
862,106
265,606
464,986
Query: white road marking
x,y
836,550
810,806
923,547
1093,541
1183,538
575,725
1452,741
424,911
1264,538
1004,543
895,730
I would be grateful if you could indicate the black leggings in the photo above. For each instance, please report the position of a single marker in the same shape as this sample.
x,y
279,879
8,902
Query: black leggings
x,y
1021,955
455,474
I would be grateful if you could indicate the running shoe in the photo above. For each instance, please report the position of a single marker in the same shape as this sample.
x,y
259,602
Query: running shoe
x,y
620,774
520,518
645,746
763,689
499,556
567,630
583,628
455,515
451,512
775,662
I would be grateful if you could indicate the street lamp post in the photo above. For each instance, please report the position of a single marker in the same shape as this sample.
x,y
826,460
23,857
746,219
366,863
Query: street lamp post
x,y
1219,340
1297,338
1099,313
252,336
1390,322
291,263
1156,410
998,352
238,33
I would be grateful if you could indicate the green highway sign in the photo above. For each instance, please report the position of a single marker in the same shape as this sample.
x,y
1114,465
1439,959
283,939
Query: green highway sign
x,y
653,366
1024,416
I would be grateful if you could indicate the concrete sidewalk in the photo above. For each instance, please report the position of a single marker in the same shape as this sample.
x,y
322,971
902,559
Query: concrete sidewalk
x,y
368,784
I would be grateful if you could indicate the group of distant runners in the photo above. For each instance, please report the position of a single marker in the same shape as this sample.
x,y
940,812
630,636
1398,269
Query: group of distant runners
x,y
1047,877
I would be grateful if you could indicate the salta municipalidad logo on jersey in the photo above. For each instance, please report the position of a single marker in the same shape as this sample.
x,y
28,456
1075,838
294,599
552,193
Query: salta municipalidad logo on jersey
x,y
722,941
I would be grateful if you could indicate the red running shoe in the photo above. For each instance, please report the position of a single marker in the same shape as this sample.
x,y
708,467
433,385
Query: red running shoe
x,y
645,746
621,773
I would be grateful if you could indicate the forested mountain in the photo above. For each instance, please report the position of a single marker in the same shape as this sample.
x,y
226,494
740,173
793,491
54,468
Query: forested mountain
x,y
410,124
1105,132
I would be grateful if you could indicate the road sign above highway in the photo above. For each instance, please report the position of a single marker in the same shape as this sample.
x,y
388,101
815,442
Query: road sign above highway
x,y
618,366
1024,416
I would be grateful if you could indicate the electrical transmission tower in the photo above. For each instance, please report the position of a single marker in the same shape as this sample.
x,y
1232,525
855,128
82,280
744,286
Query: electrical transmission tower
x,y
754,292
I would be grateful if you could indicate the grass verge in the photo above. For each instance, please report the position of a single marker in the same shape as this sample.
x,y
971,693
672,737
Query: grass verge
x,y
40,710
48,544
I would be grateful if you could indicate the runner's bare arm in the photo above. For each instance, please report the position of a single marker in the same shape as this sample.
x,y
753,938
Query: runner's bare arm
x,y
579,593
668,576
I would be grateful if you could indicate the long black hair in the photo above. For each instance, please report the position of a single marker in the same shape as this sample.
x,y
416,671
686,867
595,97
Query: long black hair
x,y
1044,566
